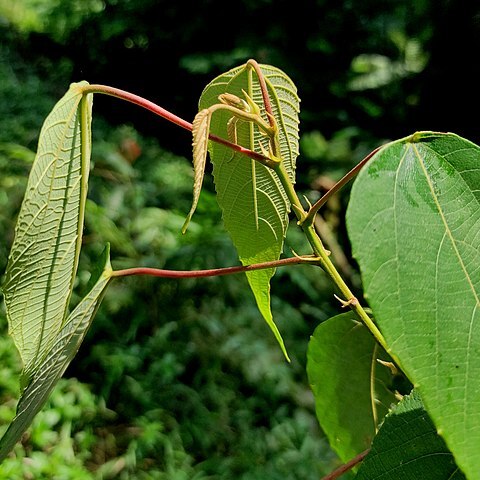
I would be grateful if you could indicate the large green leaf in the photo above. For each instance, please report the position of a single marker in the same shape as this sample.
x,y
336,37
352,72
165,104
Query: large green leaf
x,y
408,446
56,361
414,224
254,204
353,391
44,255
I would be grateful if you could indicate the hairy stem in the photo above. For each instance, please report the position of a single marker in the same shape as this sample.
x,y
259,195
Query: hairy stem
x,y
215,272
305,221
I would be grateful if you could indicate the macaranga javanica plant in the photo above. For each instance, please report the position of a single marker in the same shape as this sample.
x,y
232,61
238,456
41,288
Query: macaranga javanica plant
x,y
413,221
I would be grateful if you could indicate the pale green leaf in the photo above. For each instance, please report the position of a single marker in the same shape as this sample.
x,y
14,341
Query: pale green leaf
x,y
54,364
254,204
44,255
414,224
200,130
353,391
408,446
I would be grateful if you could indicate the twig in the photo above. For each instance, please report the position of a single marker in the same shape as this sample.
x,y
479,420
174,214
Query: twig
x,y
346,466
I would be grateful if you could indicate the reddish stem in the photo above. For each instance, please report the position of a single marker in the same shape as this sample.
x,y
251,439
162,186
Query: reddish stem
x,y
263,88
341,183
346,466
157,110
215,272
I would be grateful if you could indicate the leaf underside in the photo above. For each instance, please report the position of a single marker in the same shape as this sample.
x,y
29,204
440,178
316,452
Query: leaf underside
x,y
254,205
54,364
416,237
353,391
44,255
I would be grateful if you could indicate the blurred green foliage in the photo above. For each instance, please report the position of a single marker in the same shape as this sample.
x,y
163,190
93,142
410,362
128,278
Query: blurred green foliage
x,y
182,379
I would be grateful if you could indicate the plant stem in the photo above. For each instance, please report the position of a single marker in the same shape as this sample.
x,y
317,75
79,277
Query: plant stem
x,y
346,466
157,110
215,272
342,182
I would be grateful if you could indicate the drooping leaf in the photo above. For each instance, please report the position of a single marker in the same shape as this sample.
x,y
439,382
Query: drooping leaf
x,y
254,205
408,446
414,224
44,255
54,364
353,391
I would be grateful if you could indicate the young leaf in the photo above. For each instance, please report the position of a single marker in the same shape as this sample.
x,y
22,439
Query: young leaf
x,y
200,131
414,224
254,205
54,364
352,390
44,255
408,446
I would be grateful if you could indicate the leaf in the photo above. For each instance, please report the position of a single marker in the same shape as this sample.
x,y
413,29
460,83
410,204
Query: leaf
x,y
254,204
352,390
44,255
414,223
200,130
54,364
408,446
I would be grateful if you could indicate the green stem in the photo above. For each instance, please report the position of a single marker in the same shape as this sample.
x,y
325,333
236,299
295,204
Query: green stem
x,y
305,220
323,256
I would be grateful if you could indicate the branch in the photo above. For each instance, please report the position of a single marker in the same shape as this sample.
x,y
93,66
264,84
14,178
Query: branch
x,y
157,110
215,272
341,183
346,466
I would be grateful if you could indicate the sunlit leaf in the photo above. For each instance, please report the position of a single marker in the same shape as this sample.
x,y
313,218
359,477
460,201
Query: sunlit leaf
x,y
408,446
56,361
200,130
44,255
414,224
353,391
254,205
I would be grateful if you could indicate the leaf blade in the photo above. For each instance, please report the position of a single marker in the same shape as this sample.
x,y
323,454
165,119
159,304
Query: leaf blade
x,y
54,364
408,446
44,254
417,243
353,392
254,205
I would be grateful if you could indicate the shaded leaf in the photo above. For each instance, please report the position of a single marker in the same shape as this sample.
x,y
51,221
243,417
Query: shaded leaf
x,y
254,205
44,255
353,391
408,446
414,224
56,361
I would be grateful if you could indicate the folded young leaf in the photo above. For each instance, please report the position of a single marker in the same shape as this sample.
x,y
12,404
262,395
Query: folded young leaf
x,y
56,361
44,256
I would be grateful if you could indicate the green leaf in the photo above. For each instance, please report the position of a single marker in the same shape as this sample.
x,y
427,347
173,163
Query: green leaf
x,y
54,364
414,224
254,204
353,391
44,255
408,446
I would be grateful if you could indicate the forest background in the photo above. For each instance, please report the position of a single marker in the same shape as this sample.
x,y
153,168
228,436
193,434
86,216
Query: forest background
x,y
182,379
